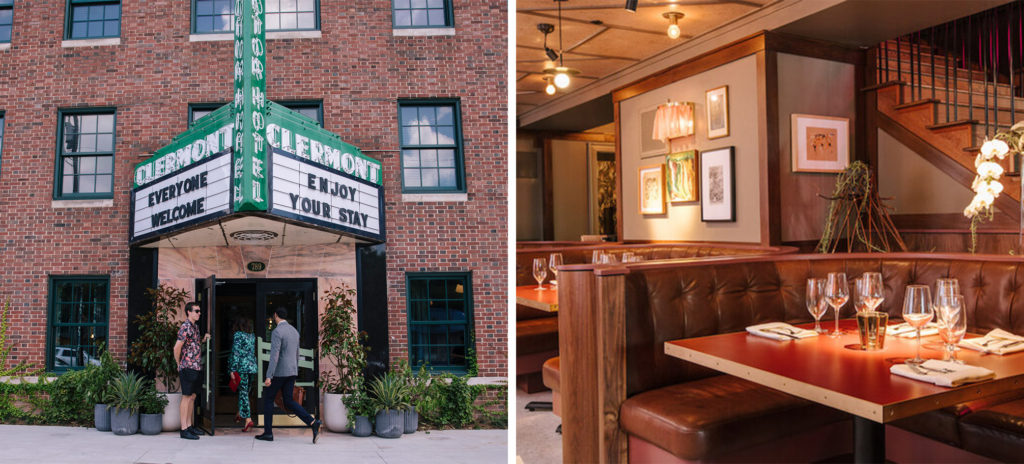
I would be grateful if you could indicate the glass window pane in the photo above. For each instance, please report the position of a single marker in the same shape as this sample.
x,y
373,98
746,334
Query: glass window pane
x,y
411,177
87,143
86,184
435,18
204,24
428,116
437,290
403,18
67,184
410,136
87,165
205,7
288,21
458,356
96,12
6,15
417,289
446,158
408,115
105,123
103,184
112,12
80,13
221,23
273,22
428,136
418,3
435,3
419,18
103,164
445,116
78,30
410,158
224,7
446,178
419,335
445,135
438,356
95,29
457,334
5,33
288,5
401,4
273,6
88,123
110,28
438,335
419,312
307,21
428,177
307,5
428,158
105,142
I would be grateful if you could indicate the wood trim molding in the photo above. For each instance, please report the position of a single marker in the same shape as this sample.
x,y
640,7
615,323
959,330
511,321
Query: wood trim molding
x,y
548,219
576,136
618,174
795,45
768,156
577,331
712,59
611,365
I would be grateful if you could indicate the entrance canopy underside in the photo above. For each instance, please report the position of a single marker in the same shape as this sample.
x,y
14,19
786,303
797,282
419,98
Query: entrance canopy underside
x,y
251,230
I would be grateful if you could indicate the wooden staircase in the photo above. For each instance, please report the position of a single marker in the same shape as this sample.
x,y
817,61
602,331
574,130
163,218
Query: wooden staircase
x,y
949,136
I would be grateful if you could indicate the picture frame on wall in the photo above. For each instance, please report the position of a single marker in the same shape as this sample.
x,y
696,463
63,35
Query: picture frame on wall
x,y
681,170
718,185
650,147
716,101
820,143
652,189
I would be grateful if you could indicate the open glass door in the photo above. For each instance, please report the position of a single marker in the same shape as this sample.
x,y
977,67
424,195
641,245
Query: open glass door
x,y
298,298
206,290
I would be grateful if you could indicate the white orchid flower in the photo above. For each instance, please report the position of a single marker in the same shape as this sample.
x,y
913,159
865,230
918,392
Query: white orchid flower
x,y
995,148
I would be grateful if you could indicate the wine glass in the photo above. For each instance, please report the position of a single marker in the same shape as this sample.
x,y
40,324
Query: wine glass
x,y
917,311
872,290
595,257
946,290
952,328
553,262
859,303
816,303
540,271
837,293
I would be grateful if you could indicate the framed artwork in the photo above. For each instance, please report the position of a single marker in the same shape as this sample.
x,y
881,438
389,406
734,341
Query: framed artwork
x,y
649,147
681,169
718,185
652,189
820,143
716,101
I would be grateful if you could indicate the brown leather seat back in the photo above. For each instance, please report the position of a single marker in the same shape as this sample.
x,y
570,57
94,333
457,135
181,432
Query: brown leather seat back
x,y
695,300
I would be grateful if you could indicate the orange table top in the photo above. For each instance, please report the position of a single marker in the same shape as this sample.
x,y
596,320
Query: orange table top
x,y
822,369
544,300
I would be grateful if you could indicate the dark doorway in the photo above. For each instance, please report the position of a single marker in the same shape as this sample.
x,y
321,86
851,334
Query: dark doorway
x,y
254,300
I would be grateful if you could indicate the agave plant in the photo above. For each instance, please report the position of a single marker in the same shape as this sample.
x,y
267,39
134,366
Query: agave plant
x,y
389,392
126,392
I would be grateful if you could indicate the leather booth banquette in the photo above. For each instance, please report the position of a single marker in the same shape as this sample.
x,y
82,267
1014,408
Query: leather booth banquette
x,y
691,413
537,331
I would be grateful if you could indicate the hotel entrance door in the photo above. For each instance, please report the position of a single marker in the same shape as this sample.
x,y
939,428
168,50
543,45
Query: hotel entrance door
x,y
249,303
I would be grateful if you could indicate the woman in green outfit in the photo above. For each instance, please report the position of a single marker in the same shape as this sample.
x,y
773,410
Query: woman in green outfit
x,y
243,362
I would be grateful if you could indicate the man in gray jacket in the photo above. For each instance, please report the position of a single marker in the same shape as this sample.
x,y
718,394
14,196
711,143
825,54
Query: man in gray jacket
x,y
281,373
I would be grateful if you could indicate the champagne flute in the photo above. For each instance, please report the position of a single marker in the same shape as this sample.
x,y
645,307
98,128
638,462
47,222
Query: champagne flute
x,y
946,290
553,262
837,293
540,271
816,303
917,311
860,304
873,290
952,329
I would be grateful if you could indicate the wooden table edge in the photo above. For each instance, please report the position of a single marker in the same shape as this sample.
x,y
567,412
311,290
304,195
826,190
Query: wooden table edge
x,y
881,413
551,308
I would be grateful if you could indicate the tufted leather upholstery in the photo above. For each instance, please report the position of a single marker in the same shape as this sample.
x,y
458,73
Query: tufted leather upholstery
x,y
996,432
667,301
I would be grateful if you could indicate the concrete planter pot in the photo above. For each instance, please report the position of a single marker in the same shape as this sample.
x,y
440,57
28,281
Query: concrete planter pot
x,y
151,424
124,421
362,427
390,423
412,420
335,413
172,413
101,417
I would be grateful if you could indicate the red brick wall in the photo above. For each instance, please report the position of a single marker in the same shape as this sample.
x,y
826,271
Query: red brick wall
x,y
357,68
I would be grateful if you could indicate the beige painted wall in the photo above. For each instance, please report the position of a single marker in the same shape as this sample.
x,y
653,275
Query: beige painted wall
x,y
682,221
530,196
817,87
915,185
569,189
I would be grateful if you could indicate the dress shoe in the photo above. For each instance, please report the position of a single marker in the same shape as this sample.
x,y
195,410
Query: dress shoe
x,y
186,434
265,437
248,425
197,431
316,429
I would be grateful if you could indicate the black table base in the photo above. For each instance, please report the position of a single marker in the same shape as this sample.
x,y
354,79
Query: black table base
x,y
868,441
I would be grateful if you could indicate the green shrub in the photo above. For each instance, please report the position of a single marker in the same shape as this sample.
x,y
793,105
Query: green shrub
x,y
158,332
341,344
126,392
151,401
389,392
448,402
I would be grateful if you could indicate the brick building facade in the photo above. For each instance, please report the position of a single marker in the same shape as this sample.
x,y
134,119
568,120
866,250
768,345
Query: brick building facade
x,y
358,64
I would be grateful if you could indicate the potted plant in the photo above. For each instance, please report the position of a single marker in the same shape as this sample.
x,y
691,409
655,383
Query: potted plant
x,y
342,347
152,351
416,389
96,387
389,397
124,399
360,409
151,409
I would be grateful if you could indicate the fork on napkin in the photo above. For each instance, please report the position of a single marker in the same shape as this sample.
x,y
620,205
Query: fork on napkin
x,y
943,373
907,331
998,341
780,331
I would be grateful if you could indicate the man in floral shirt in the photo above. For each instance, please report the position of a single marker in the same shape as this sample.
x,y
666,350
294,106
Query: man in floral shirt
x,y
186,354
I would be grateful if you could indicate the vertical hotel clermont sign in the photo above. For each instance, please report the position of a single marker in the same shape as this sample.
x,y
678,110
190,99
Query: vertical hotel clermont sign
x,y
255,157
250,108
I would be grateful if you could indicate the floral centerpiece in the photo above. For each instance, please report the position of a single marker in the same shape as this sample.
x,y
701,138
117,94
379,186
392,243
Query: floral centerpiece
x,y
986,185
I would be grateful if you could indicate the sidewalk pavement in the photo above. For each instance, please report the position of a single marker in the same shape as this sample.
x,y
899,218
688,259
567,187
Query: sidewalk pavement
x,y
49,444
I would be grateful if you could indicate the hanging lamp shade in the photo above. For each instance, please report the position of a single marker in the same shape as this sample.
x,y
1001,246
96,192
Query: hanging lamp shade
x,y
673,119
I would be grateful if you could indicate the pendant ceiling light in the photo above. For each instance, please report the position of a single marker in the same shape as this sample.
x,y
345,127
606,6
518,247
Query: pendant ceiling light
x,y
561,73
673,29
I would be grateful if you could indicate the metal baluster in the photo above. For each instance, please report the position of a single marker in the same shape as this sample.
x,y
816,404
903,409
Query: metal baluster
x,y
956,84
1009,55
993,45
945,52
931,53
899,68
886,45
910,57
984,72
920,88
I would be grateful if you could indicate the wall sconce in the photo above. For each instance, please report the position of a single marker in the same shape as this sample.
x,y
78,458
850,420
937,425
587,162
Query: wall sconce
x,y
673,119
673,29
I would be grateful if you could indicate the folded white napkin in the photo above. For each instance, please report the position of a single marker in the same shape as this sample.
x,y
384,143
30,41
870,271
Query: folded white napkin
x,y
780,331
997,341
907,331
943,373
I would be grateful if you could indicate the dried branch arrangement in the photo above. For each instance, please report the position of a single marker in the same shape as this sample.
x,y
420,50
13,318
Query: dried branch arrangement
x,y
856,213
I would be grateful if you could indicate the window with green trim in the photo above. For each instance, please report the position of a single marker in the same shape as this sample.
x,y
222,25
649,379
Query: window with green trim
x,y
431,138
78,321
310,109
216,16
85,154
421,13
93,19
6,20
440,320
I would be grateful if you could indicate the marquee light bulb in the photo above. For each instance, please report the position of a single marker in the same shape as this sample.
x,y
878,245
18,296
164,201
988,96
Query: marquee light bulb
x,y
562,80
673,31
550,89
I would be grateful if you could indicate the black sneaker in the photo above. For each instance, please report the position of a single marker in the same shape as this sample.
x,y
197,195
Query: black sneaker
x,y
188,435
265,437
197,432
316,430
